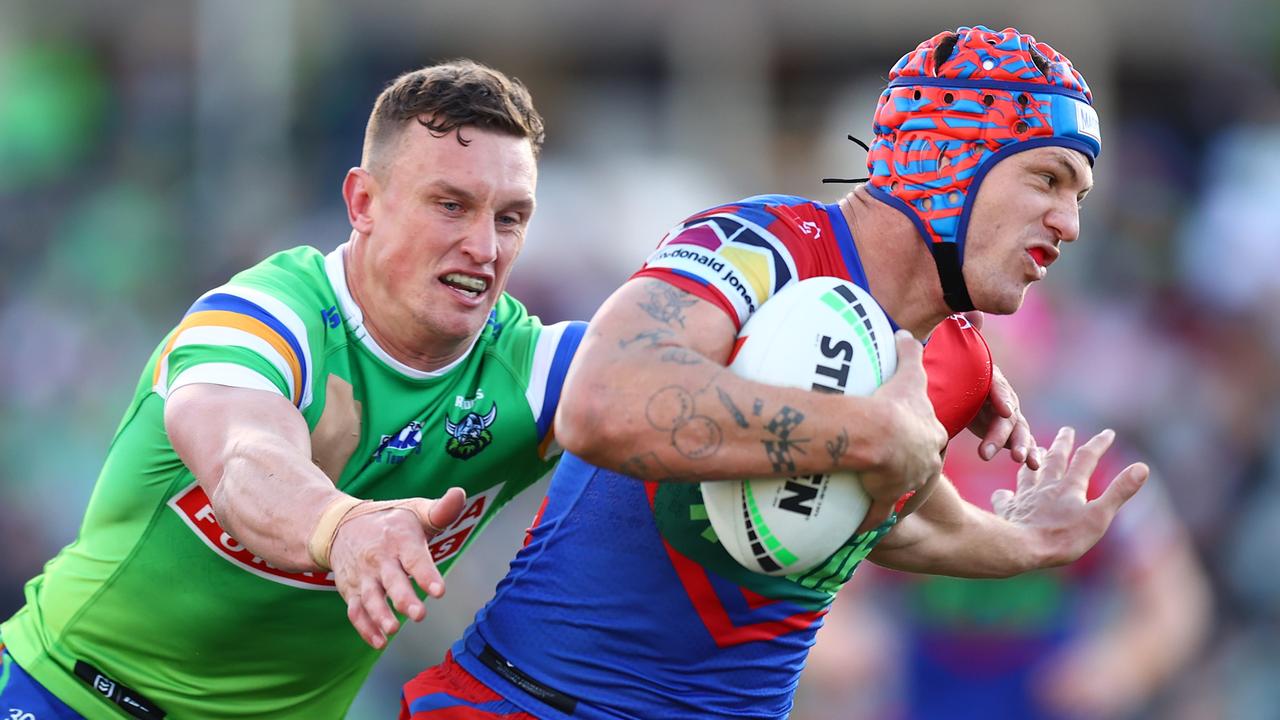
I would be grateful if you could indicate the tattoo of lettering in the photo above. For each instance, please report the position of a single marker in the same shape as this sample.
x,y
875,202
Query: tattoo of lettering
x,y
653,336
781,425
693,436
838,447
681,356
729,405
667,304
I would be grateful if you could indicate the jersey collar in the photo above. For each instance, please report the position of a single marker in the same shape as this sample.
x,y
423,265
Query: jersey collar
x,y
335,266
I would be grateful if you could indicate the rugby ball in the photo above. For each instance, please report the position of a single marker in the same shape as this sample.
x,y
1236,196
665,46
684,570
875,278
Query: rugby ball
x,y
822,334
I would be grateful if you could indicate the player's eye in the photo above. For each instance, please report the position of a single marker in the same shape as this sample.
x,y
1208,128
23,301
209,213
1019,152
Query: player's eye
x,y
450,206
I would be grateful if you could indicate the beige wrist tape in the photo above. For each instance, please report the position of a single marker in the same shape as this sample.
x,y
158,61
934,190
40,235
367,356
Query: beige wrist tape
x,y
346,508
326,529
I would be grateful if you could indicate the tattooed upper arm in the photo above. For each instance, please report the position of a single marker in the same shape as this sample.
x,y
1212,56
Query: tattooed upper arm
x,y
651,313
666,303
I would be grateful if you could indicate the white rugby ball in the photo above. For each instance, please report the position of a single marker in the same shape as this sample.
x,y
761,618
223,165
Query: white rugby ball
x,y
823,334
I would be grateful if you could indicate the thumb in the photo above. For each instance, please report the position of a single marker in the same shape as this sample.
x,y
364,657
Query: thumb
x,y
436,515
910,351
1124,486
1001,501
876,516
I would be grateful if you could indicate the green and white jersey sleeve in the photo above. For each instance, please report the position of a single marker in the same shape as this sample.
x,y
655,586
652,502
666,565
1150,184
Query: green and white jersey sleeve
x,y
250,333
156,594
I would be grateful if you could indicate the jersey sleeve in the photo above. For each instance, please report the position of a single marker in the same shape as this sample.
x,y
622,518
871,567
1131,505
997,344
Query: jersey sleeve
x,y
730,256
552,353
239,336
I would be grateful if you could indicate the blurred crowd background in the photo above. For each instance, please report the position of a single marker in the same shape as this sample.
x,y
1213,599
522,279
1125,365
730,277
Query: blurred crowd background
x,y
150,150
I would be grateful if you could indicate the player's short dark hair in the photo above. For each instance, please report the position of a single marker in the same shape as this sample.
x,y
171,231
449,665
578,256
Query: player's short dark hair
x,y
447,97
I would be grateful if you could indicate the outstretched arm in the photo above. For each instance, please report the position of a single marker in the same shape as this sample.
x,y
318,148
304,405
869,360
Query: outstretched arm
x,y
649,395
1045,523
251,452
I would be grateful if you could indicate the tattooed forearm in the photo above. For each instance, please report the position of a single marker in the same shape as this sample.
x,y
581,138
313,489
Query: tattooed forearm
x,y
729,405
645,467
757,407
666,304
653,338
781,426
669,408
681,356
838,447
694,436
697,438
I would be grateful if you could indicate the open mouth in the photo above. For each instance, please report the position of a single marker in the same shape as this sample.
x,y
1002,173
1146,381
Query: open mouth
x,y
1038,254
469,285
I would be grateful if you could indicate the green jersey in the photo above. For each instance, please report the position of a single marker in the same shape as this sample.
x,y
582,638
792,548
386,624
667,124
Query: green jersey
x,y
156,597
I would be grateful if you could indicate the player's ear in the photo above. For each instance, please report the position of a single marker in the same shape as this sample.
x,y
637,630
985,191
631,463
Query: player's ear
x,y
358,189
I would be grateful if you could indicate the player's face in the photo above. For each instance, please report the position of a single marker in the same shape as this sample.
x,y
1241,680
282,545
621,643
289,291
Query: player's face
x,y
1028,205
448,222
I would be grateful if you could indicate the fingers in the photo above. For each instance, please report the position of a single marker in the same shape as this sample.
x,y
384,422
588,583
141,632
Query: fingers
x,y
1021,444
363,624
422,568
1006,426
369,613
368,610
1055,461
1027,476
1122,487
1002,397
367,607
1035,454
396,586
1085,460
376,555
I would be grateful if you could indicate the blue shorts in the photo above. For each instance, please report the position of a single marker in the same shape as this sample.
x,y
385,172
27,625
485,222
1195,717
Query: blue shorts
x,y
22,698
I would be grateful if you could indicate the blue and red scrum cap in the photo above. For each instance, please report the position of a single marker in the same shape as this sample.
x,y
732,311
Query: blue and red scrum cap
x,y
955,106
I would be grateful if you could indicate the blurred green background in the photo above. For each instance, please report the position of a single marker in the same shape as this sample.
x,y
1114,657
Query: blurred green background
x,y
150,150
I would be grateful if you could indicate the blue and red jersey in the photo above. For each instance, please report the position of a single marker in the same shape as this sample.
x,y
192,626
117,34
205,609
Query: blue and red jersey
x,y
623,603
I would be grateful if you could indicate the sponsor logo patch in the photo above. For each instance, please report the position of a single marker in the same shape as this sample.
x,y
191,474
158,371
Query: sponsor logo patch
x,y
393,449
192,505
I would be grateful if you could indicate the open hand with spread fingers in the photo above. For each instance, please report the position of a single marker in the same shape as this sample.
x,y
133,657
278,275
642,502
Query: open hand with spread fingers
x,y
1051,502
378,548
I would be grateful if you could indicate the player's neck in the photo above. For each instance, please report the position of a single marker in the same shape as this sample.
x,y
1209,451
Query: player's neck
x,y
900,271
421,350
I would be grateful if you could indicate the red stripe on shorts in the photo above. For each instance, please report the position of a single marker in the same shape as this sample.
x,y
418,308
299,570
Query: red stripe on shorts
x,y
452,693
